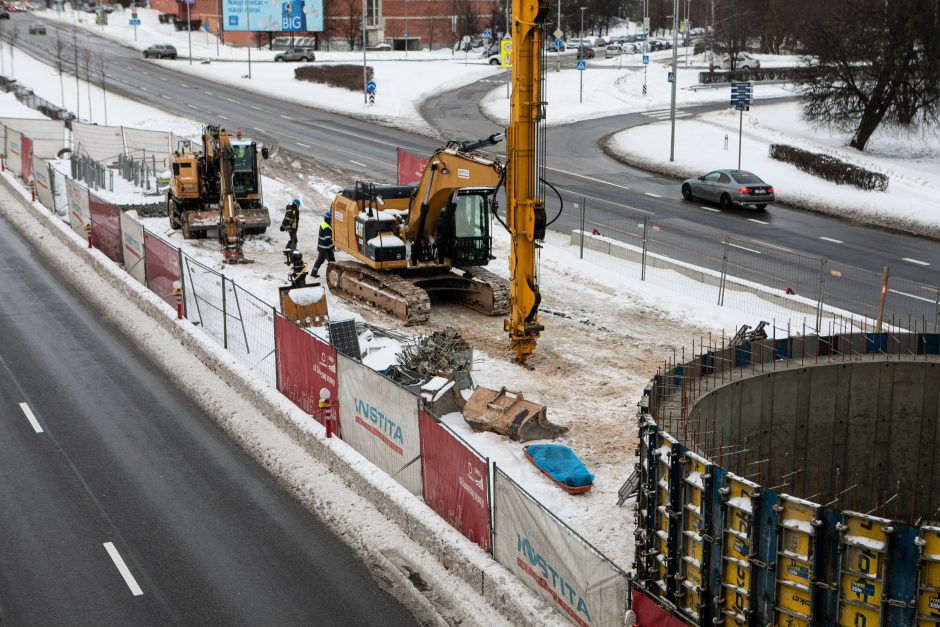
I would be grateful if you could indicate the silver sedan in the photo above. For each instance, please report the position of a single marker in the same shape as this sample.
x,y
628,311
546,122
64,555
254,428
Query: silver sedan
x,y
729,188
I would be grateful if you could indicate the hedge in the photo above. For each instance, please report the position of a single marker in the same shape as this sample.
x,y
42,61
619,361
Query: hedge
x,y
345,76
794,74
829,168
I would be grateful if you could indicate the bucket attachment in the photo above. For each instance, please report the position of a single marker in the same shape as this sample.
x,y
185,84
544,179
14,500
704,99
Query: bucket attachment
x,y
304,305
507,413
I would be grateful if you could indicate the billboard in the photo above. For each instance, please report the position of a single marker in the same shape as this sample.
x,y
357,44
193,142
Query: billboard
x,y
273,15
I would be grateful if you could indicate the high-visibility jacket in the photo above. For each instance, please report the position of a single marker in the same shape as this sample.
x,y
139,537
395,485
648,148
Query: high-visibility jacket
x,y
291,217
325,237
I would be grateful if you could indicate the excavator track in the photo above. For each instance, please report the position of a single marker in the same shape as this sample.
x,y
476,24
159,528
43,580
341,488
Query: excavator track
x,y
494,303
385,290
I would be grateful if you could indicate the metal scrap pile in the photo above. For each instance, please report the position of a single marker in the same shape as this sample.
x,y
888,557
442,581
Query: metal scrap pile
x,y
441,353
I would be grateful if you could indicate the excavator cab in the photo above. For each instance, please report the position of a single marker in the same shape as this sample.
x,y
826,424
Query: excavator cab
x,y
464,228
245,179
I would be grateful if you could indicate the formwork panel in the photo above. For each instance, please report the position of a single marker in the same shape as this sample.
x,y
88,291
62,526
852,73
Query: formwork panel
x,y
692,551
928,587
796,561
662,519
862,576
736,548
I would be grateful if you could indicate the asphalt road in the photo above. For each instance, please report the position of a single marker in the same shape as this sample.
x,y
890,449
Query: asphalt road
x,y
121,503
617,196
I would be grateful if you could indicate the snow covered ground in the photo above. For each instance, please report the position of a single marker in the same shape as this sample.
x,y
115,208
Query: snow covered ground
x,y
910,159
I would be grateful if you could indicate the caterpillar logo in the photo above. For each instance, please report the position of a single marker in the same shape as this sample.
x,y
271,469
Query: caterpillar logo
x,y
799,599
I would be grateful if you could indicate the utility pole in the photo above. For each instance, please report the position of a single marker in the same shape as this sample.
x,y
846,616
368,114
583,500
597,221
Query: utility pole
x,y
365,77
581,55
78,99
248,26
189,31
675,79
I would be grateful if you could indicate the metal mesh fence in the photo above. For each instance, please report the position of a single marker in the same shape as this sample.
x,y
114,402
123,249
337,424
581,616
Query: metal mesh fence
x,y
754,277
249,327
205,300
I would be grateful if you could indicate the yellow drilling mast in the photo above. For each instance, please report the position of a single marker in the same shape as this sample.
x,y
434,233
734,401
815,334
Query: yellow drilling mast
x,y
525,211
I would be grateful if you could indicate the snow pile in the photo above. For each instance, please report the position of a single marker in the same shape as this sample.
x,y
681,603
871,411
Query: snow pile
x,y
304,296
911,161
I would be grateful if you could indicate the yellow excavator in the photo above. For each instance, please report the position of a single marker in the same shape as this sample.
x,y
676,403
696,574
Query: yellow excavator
x,y
217,191
414,241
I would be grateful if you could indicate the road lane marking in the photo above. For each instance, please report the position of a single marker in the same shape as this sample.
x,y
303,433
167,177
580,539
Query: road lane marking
x,y
184,85
223,117
229,99
917,261
261,130
251,106
357,163
207,92
287,117
914,296
163,78
750,250
146,90
589,178
145,72
652,194
123,569
30,417
769,245
578,195
829,239
304,145
712,209
756,220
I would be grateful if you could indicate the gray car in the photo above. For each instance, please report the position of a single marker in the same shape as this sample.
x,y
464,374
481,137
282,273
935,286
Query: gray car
x,y
295,54
160,51
729,188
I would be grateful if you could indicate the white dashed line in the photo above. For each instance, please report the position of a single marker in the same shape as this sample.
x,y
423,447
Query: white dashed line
x,y
223,117
255,108
357,163
304,145
145,72
829,239
589,178
145,89
750,250
262,130
287,117
712,209
123,569
229,99
926,300
774,246
917,261
207,92
163,78
757,221
30,417
652,194
184,85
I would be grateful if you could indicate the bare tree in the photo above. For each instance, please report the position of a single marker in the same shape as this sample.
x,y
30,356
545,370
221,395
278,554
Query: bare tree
x,y
352,29
60,63
431,30
468,24
871,64
101,65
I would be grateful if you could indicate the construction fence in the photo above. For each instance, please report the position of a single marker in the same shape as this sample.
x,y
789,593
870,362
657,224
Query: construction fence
x,y
755,277
385,422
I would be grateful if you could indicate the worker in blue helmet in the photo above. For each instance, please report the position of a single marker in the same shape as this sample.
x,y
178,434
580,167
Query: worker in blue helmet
x,y
324,243
290,223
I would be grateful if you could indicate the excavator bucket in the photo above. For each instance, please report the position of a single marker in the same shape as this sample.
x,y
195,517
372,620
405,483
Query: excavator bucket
x,y
304,305
507,413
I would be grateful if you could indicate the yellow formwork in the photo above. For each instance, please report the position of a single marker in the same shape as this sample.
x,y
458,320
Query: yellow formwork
x,y
662,516
928,593
736,549
691,544
795,569
862,569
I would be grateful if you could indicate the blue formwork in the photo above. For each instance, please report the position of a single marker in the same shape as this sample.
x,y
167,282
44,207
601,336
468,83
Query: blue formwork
x,y
876,342
901,579
782,348
928,344
742,355
765,577
677,376
716,522
706,363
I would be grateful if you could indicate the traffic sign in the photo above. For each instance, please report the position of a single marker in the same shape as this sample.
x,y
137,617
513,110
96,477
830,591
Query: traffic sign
x,y
505,53
558,45
486,34
558,33
370,86
133,22
581,65
405,35
669,77
646,59
205,27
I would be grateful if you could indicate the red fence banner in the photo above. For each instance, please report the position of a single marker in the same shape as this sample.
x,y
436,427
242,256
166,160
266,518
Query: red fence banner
x,y
456,481
162,267
306,365
27,154
410,167
106,227
649,614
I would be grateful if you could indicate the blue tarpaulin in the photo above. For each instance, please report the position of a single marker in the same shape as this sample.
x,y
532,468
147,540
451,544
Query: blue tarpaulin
x,y
561,464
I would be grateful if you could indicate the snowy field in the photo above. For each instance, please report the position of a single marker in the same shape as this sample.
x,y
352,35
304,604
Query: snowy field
x,y
910,159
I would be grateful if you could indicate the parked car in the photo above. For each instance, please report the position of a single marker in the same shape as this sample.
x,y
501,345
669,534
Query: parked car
x,y
492,53
37,29
160,51
600,42
295,54
613,50
729,188
4,14
573,42
629,48
660,43
384,46
585,52
743,61
551,47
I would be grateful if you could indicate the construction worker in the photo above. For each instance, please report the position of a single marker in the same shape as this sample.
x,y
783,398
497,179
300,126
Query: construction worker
x,y
290,223
298,270
324,243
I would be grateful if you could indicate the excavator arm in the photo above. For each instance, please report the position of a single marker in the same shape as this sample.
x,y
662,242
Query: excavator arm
x,y
230,233
525,211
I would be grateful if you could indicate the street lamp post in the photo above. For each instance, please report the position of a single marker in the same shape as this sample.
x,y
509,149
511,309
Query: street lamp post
x,y
365,77
248,26
675,63
189,31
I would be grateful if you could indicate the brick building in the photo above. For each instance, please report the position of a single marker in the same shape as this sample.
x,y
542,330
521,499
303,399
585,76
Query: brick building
x,y
428,23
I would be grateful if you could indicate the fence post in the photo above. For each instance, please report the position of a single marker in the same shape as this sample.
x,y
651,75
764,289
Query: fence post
x,y
646,225
936,312
881,300
724,271
819,293
224,316
583,209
